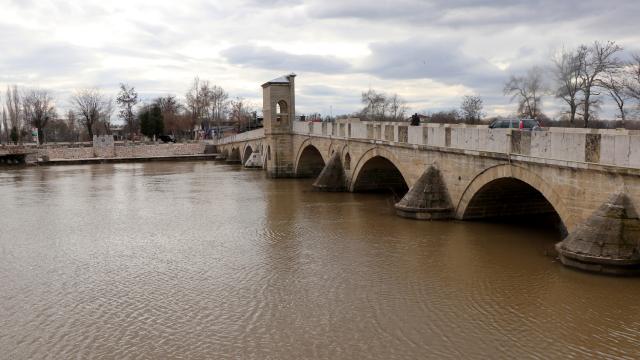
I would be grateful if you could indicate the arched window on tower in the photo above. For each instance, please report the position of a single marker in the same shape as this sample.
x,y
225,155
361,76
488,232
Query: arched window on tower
x,y
282,107
282,111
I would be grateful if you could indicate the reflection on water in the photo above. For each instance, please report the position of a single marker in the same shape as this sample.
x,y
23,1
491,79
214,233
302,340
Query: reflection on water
x,y
202,260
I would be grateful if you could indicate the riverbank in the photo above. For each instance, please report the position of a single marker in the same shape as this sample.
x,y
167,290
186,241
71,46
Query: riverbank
x,y
104,149
114,160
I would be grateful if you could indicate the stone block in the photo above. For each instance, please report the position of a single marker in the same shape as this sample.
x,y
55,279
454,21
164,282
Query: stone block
x,y
388,133
414,135
447,137
622,150
634,151
592,148
607,149
403,134
103,146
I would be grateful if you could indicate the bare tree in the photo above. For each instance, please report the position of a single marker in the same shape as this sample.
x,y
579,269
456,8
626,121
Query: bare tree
x,y
92,107
445,117
218,105
397,108
373,105
598,59
197,97
633,84
566,72
240,114
127,100
379,106
38,110
616,83
105,115
14,110
471,108
170,110
528,91
72,125
5,125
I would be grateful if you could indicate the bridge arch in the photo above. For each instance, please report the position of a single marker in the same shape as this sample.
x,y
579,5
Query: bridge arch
x,y
379,170
309,160
510,190
246,153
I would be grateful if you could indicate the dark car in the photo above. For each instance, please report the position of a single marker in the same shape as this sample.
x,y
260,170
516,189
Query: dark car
x,y
524,124
166,139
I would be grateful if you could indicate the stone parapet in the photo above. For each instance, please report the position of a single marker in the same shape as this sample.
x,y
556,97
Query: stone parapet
x,y
598,146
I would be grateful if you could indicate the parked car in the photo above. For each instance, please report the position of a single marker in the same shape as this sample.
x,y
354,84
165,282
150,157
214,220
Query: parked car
x,y
524,124
166,139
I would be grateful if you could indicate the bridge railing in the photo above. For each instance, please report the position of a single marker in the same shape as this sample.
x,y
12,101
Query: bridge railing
x,y
600,146
245,136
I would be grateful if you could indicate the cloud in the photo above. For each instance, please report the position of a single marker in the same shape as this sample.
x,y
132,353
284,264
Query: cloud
x,y
323,90
48,60
431,52
26,55
474,12
440,60
267,58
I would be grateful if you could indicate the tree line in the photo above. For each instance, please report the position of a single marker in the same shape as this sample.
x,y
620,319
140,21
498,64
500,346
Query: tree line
x,y
582,78
380,106
207,109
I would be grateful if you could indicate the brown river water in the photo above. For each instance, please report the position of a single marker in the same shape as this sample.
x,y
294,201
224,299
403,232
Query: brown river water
x,y
208,261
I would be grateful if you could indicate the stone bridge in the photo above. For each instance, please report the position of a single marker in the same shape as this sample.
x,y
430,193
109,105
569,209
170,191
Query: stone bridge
x,y
588,180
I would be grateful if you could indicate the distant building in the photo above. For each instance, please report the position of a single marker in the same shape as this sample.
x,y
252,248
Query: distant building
x,y
118,132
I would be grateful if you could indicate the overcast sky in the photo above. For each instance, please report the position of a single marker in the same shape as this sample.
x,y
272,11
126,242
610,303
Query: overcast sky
x,y
429,52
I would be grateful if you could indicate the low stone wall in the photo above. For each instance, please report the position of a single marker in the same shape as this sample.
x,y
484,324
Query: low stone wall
x,y
122,151
66,152
159,150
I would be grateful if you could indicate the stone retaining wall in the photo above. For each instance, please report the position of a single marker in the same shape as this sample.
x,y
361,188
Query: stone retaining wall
x,y
122,151
66,153
159,150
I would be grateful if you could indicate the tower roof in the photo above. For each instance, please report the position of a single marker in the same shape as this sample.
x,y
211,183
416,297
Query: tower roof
x,y
284,79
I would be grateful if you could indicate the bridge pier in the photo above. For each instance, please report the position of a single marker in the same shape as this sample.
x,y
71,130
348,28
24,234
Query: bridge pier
x,y
332,178
254,161
607,242
428,199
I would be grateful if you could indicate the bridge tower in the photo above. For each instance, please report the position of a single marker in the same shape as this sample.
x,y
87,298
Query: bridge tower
x,y
279,112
